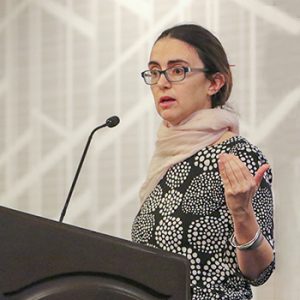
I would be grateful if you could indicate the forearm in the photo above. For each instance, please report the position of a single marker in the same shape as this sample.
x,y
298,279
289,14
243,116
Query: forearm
x,y
251,262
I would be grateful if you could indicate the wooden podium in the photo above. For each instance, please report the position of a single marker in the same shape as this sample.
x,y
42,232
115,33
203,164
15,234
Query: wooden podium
x,y
44,259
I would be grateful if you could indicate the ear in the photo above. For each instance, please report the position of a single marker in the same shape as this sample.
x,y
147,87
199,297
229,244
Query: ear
x,y
216,83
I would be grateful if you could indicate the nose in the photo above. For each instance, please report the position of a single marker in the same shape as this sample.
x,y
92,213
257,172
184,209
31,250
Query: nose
x,y
163,82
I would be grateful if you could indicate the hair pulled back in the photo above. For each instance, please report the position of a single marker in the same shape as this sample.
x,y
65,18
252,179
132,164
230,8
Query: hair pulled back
x,y
210,51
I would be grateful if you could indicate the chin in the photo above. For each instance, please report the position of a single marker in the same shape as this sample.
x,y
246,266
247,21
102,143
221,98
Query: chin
x,y
167,117
173,122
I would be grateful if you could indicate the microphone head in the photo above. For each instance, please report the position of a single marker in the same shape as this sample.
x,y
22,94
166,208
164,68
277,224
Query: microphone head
x,y
112,121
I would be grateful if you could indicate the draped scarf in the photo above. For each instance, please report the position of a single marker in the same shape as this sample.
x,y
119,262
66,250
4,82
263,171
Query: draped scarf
x,y
176,143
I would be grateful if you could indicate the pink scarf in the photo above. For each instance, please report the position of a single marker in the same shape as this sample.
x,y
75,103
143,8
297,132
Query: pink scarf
x,y
176,143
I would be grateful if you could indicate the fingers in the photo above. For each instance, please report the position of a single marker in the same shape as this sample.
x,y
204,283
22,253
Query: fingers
x,y
233,171
260,173
222,170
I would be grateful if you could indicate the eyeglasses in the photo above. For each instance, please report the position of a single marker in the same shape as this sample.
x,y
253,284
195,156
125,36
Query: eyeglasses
x,y
173,74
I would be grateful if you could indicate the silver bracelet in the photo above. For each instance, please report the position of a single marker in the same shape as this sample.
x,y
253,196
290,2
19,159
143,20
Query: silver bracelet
x,y
252,244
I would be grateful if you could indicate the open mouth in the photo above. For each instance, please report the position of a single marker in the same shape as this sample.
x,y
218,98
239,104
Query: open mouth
x,y
166,99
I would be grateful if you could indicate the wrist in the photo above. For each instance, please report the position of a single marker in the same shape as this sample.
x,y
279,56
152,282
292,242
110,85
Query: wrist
x,y
245,226
254,243
243,215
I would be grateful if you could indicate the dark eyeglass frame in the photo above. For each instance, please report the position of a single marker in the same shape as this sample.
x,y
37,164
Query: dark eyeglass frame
x,y
165,72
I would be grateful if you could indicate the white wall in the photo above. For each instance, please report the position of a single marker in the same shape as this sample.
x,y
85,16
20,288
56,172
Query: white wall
x,y
67,65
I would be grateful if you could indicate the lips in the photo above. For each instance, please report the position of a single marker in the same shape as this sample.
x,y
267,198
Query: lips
x,y
166,102
166,99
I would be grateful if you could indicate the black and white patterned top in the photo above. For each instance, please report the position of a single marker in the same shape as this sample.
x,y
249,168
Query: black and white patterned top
x,y
186,214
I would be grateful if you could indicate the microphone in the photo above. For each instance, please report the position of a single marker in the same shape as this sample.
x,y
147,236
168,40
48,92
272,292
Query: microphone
x,y
110,122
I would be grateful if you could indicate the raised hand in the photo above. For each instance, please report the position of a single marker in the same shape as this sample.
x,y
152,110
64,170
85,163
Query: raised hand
x,y
240,185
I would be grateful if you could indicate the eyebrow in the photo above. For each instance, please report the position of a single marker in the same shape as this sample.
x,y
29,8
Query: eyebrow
x,y
170,62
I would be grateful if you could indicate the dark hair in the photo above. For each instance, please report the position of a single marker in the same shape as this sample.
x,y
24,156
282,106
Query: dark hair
x,y
210,51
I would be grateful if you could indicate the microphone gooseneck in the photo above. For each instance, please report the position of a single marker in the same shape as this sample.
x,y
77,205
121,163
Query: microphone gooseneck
x,y
110,122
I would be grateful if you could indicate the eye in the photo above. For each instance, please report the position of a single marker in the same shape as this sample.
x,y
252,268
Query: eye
x,y
154,72
177,71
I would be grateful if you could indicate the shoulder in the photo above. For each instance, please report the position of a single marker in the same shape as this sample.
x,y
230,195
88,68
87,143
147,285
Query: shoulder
x,y
240,146
226,136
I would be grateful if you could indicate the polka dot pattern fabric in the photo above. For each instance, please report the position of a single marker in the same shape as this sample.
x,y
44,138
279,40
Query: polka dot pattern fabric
x,y
186,214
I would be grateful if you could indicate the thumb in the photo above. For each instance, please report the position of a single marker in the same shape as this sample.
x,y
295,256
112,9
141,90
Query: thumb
x,y
260,174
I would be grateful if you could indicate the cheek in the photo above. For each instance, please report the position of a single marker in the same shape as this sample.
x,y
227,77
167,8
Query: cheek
x,y
199,90
191,92
154,96
154,92
198,97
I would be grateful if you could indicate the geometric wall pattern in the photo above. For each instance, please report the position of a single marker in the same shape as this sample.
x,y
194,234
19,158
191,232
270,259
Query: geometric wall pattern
x,y
67,65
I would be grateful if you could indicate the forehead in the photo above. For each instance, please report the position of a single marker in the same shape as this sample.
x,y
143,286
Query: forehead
x,y
170,49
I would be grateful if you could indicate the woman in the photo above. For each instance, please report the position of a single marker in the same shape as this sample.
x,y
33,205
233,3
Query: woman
x,y
208,191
